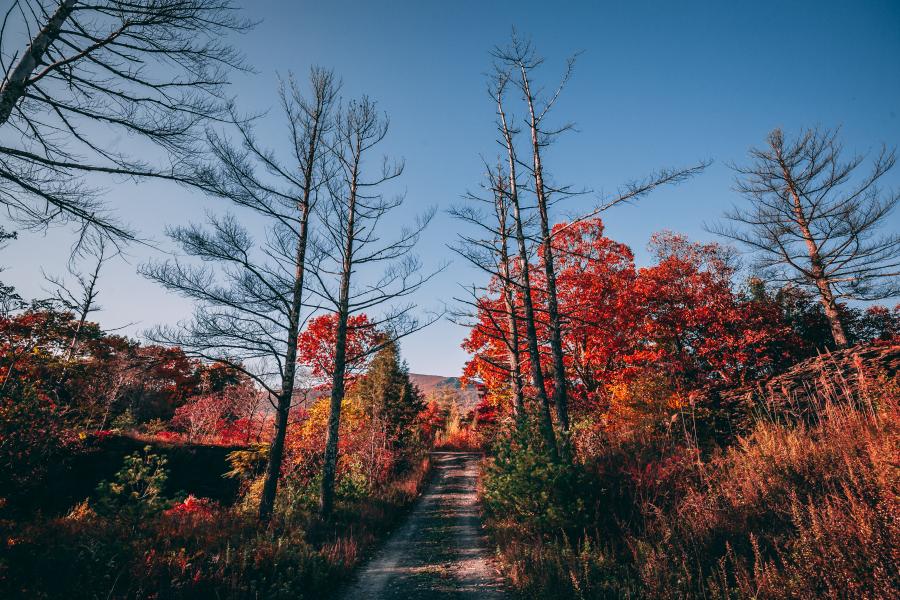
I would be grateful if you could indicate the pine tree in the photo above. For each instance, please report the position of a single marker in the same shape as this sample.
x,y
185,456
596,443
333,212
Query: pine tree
x,y
390,398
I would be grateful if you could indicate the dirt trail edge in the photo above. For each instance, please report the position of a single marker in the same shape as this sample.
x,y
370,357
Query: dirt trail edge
x,y
440,550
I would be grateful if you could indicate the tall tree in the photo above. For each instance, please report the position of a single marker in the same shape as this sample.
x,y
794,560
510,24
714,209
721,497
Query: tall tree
x,y
352,244
813,220
152,69
252,320
518,62
519,221
520,57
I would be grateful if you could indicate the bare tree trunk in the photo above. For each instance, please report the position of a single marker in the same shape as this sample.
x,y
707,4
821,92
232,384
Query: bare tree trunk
x,y
537,376
515,369
826,296
308,122
14,87
276,454
329,467
831,308
350,243
560,398
276,450
808,202
86,306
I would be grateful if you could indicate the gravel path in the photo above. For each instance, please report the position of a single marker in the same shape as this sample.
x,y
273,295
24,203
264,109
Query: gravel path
x,y
439,551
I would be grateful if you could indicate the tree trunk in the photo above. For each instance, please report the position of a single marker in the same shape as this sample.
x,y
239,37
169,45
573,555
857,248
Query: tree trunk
x,y
84,312
329,468
560,397
537,376
831,312
515,369
276,450
820,279
14,86
276,454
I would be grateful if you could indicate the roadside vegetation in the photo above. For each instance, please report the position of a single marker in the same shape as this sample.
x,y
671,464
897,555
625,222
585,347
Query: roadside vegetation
x,y
170,465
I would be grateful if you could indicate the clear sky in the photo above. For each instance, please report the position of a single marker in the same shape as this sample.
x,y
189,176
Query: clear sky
x,y
658,84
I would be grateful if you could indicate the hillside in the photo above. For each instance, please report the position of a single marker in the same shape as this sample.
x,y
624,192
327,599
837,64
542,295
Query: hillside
x,y
438,385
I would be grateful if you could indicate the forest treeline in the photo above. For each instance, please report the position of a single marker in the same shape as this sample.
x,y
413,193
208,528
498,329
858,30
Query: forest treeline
x,y
617,464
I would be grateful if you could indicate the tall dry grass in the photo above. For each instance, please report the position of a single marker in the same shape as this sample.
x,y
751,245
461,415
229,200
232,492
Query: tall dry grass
x,y
804,505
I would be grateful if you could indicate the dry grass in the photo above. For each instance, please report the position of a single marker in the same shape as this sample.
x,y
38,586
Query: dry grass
x,y
800,507
458,436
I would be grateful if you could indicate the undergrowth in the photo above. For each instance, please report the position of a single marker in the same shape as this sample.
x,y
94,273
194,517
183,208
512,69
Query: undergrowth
x,y
792,509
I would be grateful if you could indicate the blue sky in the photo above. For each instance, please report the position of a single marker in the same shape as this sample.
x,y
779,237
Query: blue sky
x,y
657,84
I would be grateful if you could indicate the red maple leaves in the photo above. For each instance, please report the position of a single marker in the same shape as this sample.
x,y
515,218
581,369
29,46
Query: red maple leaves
x,y
316,344
681,318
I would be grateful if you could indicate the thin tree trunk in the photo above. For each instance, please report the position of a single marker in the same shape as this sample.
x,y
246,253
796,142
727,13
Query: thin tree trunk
x,y
560,398
826,296
84,312
276,450
13,88
329,468
537,376
515,369
276,454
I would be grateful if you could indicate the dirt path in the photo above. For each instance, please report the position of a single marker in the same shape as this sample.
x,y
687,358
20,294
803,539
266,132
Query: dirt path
x,y
440,550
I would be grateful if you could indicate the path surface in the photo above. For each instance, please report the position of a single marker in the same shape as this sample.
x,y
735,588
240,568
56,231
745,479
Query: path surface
x,y
439,551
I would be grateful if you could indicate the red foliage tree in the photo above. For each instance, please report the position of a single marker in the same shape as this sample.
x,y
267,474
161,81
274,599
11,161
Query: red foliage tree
x,y
694,327
487,343
316,344
202,418
680,318
595,282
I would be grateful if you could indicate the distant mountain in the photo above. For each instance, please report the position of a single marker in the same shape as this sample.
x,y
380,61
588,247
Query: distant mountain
x,y
433,386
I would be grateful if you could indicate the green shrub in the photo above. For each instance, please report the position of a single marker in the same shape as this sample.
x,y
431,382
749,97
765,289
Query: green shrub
x,y
138,486
124,421
353,484
524,484
248,462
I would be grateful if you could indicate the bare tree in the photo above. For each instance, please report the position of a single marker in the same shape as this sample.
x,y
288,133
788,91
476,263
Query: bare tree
x,y
537,375
81,300
520,57
77,73
814,220
252,318
352,246
10,300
